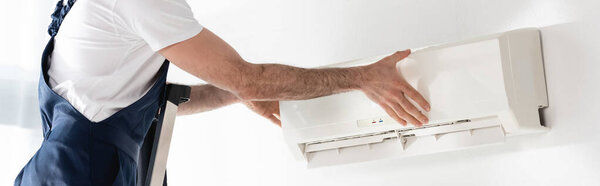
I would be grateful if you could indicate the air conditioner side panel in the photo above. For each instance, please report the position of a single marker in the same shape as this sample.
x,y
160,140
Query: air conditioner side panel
x,y
524,80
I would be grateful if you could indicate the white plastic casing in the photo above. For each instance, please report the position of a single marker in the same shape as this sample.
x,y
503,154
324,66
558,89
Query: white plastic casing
x,y
480,91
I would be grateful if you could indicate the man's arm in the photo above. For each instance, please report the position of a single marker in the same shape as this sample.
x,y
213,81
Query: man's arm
x,y
205,98
213,60
208,97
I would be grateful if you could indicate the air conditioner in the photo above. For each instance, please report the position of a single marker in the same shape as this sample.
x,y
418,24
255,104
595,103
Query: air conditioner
x,y
480,90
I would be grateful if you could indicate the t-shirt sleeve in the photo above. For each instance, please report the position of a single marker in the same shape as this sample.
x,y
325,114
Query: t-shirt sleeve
x,y
159,23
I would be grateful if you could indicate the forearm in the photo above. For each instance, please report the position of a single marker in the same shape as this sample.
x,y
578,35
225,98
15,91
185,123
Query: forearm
x,y
282,82
204,98
210,58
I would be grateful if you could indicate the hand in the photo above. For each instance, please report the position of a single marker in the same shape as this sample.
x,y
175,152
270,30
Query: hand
x,y
386,87
267,109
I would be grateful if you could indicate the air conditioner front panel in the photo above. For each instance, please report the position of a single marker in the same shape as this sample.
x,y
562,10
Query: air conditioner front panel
x,y
480,91
454,92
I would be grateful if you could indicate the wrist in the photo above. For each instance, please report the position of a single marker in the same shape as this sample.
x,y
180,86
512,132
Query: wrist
x,y
229,97
362,77
233,98
222,96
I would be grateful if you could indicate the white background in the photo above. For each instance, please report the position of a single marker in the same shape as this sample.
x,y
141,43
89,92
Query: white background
x,y
232,146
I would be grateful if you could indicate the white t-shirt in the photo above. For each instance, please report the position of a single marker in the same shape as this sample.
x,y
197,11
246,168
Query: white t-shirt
x,y
105,56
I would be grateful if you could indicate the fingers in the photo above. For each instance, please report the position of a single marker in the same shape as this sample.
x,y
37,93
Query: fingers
x,y
403,108
396,111
393,114
393,107
405,115
266,109
273,118
377,99
416,96
411,109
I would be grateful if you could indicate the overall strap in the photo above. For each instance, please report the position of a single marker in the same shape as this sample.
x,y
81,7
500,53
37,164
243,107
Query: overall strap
x,y
58,16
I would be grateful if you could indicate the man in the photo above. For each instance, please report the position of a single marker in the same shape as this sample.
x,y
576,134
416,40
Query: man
x,y
104,72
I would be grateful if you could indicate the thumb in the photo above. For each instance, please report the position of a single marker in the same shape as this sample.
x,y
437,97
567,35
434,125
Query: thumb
x,y
274,119
399,55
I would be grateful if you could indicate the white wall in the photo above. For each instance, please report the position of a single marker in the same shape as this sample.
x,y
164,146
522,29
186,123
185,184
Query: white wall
x,y
232,146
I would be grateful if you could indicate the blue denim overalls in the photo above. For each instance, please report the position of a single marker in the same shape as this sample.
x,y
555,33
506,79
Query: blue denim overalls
x,y
77,151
